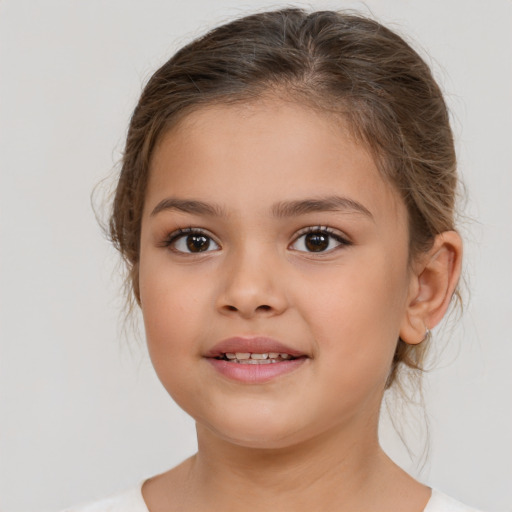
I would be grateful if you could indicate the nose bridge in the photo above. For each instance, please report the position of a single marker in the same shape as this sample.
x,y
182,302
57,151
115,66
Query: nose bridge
x,y
252,284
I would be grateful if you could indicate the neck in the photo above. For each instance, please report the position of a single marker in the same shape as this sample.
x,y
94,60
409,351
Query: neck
x,y
334,467
336,471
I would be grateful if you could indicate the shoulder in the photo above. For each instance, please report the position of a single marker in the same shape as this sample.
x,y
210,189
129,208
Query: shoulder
x,y
128,501
440,502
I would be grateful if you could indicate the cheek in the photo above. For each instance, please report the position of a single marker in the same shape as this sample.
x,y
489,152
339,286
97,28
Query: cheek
x,y
173,316
162,309
172,326
355,314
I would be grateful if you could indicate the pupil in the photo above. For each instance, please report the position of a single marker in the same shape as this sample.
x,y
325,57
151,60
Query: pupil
x,y
197,243
317,242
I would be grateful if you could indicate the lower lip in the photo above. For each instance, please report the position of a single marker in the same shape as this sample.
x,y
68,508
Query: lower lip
x,y
255,373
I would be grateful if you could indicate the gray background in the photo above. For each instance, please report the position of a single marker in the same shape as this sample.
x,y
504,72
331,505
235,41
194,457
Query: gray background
x,y
81,413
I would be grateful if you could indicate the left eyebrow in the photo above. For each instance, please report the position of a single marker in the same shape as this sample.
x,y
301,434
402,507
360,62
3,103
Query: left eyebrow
x,y
323,204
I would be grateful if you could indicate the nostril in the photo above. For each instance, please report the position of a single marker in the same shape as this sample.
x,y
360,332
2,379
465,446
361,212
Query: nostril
x,y
263,307
231,308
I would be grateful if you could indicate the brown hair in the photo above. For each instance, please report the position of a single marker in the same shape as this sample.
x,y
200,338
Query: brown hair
x,y
342,63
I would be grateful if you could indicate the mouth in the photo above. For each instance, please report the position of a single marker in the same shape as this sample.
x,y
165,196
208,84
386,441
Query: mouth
x,y
255,358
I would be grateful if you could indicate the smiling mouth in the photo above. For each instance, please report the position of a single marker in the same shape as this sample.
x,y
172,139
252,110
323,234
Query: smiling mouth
x,y
254,358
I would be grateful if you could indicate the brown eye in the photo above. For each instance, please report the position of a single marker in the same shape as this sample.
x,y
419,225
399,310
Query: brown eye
x,y
316,242
197,243
191,242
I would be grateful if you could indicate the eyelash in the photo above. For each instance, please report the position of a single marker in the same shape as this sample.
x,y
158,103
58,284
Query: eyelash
x,y
324,230
181,233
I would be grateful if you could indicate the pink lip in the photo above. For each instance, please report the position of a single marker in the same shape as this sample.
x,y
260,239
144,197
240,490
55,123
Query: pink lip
x,y
253,373
255,345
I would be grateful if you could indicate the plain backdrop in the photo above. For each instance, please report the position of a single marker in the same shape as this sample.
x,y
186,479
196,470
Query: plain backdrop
x,y
81,413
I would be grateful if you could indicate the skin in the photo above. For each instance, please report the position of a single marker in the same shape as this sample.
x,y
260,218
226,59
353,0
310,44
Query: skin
x,y
306,440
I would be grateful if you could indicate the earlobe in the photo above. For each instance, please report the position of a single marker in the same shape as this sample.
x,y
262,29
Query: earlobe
x,y
433,284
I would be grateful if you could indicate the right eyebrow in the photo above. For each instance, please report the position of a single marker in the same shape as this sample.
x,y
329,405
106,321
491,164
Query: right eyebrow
x,y
187,206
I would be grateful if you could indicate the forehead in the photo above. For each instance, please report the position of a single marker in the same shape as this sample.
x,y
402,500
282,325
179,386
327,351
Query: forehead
x,y
253,154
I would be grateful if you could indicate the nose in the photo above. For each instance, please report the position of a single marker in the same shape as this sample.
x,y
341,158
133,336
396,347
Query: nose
x,y
252,287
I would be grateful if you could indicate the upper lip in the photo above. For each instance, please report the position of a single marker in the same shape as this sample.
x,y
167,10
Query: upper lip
x,y
253,345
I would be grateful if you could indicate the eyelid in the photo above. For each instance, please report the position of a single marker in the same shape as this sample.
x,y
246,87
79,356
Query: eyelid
x,y
175,235
339,236
325,229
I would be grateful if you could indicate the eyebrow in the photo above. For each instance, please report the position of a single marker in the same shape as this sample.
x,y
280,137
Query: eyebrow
x,y
188,206
323,204
281,209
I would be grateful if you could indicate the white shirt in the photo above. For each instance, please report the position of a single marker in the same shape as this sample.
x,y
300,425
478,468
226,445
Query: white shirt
x,y
132,501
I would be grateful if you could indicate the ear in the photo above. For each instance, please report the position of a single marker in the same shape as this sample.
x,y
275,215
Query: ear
x,y
433,281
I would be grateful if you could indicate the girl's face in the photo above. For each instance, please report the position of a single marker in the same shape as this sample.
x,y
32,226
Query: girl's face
x,y
267,230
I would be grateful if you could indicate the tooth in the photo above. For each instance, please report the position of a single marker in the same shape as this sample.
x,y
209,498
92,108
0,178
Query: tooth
x,y
285,356
273,355
243,355
259,356
256,361
229,355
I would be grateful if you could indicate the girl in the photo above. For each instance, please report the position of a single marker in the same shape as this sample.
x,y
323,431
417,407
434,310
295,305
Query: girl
x,y
286,213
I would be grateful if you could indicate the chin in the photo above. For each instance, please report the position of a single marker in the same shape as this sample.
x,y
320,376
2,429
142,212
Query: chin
x,y
268,432
258,440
